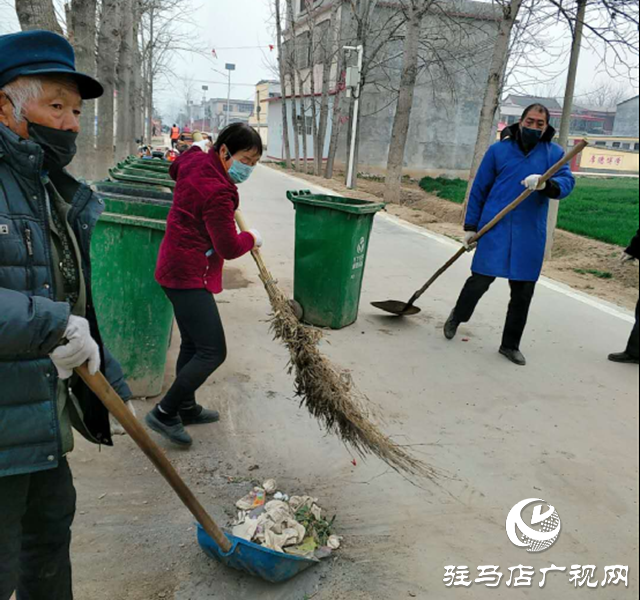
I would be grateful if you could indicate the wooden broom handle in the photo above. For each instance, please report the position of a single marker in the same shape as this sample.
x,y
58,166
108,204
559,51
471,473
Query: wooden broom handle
x,y
116,406
257,255
566,159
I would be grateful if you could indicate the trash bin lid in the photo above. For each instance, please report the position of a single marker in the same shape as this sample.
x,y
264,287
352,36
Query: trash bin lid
x,y
338,203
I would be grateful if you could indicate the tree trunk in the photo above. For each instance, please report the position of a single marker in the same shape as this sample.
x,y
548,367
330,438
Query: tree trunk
x,y
108,39
125,81
567,111
305,147
292,77
336,120
314,126
494,89
402,118
136,104
37,14
282,65
150,74
326,83
83,25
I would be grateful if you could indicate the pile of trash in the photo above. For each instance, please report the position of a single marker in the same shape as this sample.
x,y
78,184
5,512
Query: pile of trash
x,y
292,525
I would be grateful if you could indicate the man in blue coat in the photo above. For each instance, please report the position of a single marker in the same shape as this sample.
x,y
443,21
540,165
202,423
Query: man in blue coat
x,y
515,248
48,324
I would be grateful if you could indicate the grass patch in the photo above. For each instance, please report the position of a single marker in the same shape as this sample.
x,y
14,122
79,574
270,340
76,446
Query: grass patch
x,y
602,209
595,272
453,190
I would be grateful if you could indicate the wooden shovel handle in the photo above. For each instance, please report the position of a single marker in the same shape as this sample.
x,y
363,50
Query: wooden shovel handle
x,y
577,149
116,406
257,255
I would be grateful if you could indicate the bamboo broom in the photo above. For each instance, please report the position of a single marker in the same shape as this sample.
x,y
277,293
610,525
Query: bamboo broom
x,y
326,391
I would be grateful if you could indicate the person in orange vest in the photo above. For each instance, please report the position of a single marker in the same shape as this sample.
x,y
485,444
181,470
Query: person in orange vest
x,y
175,135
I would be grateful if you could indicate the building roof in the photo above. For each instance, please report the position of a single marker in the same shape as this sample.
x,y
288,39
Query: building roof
x,y
629,100
525,101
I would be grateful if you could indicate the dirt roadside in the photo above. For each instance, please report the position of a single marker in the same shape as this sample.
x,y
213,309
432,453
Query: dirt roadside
x,y
586,265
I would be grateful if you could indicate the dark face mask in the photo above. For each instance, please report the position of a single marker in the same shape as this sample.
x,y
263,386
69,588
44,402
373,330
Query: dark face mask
x,y
59,146
530,137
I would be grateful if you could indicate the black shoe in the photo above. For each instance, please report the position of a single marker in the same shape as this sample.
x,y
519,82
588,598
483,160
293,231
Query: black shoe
x,y
171,428
199,416
624,358
451,327
515,356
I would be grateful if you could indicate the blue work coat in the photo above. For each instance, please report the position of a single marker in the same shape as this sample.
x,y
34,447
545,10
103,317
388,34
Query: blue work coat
x,y
515,248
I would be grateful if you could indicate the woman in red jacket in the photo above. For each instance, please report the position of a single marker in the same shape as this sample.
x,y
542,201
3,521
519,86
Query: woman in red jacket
x,y
201,235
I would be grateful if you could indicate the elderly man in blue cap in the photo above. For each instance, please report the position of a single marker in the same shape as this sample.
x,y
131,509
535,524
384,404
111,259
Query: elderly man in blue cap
x,y
48,325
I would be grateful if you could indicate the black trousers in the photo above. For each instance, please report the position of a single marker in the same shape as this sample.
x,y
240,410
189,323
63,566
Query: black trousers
x,y
36,513
633,348
203,350
521,297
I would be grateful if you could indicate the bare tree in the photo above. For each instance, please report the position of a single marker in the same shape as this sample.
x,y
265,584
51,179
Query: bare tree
x,y
510,10
606,95
415,11
292,54
282,64
83,30
38,14
125,79
107,59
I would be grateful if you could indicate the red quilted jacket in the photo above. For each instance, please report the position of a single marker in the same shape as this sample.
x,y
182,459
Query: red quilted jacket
x,y
201,229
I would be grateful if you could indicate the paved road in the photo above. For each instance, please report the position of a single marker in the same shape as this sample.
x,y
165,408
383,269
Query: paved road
x,y
564,429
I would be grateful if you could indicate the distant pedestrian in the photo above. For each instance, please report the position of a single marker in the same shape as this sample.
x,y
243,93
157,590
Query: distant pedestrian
x,y
515,248
175,135
201,235
631,355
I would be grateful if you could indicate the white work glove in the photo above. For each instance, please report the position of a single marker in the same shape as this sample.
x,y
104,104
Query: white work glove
x,y
625,257
79,349
257,237
116,428
534,184
468,236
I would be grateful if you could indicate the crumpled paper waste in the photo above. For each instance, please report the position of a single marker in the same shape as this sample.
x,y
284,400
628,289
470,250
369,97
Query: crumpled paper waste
x,y
273,523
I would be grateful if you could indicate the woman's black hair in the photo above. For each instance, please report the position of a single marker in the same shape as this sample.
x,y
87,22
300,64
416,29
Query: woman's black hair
x,y
539,107
239,137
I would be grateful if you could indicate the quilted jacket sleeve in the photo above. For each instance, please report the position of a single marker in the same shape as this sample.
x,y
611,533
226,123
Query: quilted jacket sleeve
x,y
219,218
30,326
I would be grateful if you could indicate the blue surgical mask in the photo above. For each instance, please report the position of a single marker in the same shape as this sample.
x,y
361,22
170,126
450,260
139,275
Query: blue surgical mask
x,y
239,172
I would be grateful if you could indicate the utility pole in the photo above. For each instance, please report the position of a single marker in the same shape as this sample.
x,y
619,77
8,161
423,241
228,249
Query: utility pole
x,y
230,68
354,87
567,111
205,89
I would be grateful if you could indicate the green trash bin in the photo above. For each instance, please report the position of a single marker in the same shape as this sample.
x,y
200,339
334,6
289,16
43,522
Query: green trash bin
x,y
332,241
135,316
141,190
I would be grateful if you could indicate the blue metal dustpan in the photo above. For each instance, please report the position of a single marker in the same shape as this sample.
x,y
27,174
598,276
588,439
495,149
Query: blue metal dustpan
x,y
255,560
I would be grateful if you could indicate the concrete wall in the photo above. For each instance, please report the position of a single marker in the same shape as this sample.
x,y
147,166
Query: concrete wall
x,y
447,104
627,121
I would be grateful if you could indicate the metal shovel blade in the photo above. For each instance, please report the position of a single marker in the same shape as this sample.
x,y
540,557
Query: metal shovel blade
x,y
255,560
395,307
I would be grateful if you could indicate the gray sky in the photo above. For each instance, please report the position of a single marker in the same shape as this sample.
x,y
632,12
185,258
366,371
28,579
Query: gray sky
x,y
218,24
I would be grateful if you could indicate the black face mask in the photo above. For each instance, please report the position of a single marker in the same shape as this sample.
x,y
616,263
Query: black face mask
x,y
59,146
530,137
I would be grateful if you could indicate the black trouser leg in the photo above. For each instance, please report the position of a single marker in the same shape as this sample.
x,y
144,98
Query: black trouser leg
x,y
475,288
199,321
36,513
188,351
633,348
521,297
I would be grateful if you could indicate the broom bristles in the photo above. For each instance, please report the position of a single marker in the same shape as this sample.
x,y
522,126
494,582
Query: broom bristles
x,y
329,395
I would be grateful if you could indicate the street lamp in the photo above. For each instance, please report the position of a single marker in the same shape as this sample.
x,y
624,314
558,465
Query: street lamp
x,y
229,67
